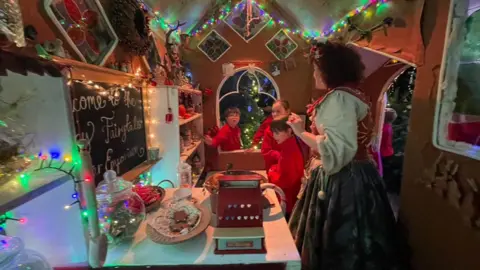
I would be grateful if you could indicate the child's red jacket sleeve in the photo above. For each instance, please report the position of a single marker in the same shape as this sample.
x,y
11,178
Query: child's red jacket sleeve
x,y
287,174
220,138
261,130
270,155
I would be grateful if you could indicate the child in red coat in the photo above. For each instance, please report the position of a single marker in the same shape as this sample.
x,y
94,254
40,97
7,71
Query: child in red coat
x,y
258,137
387,152
270,148
288,172
228,137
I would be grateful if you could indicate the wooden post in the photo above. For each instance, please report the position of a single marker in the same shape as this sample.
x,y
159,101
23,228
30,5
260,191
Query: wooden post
x,y
97,246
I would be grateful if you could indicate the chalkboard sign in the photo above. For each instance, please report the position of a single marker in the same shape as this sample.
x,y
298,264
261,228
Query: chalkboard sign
x,y
111,119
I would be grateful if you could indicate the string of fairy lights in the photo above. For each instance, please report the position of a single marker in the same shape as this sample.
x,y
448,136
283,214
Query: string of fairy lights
x,y
66,163
306,34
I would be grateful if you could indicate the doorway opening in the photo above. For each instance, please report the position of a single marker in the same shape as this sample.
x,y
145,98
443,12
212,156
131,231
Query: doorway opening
x,y
398,104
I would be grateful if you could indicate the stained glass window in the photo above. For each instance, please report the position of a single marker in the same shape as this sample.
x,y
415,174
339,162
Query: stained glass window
x,y
237,20
214,46
281,45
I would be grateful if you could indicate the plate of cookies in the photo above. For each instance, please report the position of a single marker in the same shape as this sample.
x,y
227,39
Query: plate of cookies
x,y
177,221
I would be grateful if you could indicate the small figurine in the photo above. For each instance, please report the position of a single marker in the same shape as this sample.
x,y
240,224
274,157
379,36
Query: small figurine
x,y
197,164
124,67
113,65
55,48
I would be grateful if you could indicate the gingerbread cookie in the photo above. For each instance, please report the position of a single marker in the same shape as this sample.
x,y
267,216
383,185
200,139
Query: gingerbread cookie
x,y
180,216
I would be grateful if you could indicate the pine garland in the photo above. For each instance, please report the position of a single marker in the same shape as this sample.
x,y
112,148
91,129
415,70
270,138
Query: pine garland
x,y
131,23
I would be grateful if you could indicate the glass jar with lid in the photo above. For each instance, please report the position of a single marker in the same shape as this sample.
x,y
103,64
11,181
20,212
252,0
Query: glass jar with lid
x,y
120,209
14,256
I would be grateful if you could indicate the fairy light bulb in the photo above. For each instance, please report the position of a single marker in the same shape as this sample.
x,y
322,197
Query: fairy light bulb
x,y
67,207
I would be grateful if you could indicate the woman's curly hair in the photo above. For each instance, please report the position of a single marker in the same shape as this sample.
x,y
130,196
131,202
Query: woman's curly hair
x,y
338,64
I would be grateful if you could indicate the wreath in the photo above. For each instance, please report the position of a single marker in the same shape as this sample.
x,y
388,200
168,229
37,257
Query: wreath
x,y
131,23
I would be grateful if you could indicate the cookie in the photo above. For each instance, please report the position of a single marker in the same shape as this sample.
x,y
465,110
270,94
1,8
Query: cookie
x,y
180,216
179,227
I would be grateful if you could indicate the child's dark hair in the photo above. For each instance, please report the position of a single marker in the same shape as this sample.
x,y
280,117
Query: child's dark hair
x,y
285,104
230,111
279,125
390,115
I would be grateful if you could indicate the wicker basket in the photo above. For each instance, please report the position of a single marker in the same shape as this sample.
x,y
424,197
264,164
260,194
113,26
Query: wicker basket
x,y
154,206
159,238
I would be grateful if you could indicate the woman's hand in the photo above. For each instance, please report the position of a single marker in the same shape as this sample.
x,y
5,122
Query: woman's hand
x,y
296,123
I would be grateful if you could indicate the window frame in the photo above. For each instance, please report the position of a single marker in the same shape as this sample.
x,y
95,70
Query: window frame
x,y
219,98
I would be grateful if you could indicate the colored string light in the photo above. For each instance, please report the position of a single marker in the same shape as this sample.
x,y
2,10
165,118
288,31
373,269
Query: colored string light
x,y
336,27
8,216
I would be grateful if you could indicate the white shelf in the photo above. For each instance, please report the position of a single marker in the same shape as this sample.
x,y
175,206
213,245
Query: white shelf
x,y
190,91
168,135
182,89
186,154
192,118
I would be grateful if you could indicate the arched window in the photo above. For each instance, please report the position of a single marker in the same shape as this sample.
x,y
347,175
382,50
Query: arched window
x,y
251,90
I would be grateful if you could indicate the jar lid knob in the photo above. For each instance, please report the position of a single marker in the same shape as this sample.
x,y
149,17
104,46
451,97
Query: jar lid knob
x,y
110,176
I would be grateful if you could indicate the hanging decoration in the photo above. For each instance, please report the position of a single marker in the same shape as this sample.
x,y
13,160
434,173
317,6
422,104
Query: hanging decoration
x,y
214,46
131,23
172,61
11,24
247,20
306,34
281,45
228,69
355,33
275,68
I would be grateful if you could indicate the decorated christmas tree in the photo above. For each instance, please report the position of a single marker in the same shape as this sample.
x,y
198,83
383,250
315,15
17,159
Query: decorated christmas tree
x,y
252,115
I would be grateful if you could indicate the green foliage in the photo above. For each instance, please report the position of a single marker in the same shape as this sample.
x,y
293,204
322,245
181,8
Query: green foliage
x,y
252,117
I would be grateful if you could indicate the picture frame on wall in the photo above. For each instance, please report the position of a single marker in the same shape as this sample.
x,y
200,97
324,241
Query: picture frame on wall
x,y
85,27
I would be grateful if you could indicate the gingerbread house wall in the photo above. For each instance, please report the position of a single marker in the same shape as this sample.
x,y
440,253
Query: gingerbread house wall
x,y
294,85
438,235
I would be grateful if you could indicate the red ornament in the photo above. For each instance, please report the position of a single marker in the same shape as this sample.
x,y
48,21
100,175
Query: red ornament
x,y
169,116
168,82
153,83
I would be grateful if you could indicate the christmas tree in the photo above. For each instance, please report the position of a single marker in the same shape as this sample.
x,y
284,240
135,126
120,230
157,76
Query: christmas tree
x,y
252,115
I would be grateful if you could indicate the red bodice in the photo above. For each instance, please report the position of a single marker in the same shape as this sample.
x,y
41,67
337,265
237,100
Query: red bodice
x,y
365,126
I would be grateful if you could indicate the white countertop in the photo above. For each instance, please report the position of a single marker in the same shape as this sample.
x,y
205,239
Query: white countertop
x,y
199,250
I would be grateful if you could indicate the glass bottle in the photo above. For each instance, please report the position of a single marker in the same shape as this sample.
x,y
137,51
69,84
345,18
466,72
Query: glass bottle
x,y
184,174
14,256
120,209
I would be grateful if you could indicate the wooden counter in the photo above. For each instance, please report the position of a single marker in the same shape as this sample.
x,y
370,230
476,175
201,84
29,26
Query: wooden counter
x,y
199,251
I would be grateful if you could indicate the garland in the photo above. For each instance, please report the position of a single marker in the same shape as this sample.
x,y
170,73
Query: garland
x,y
131,23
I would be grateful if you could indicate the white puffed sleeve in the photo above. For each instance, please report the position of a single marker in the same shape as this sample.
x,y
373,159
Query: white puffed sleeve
x,y
339,114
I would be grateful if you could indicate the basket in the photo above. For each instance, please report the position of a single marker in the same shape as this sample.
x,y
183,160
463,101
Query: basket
x,y
154,206
203,224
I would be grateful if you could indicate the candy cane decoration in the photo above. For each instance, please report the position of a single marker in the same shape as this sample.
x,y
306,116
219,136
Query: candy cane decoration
x,y
279,192
250,18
